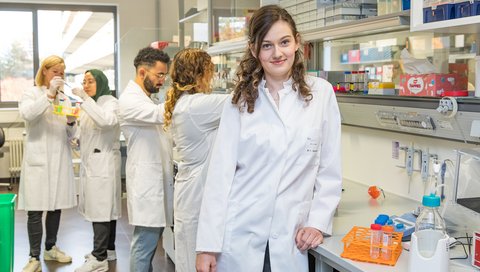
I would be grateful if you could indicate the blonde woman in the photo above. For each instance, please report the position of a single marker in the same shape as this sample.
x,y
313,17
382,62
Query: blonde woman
x,y
193,115
46,182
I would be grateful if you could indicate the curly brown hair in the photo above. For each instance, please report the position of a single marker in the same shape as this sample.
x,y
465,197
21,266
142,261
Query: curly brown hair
x,y
191,72
250,71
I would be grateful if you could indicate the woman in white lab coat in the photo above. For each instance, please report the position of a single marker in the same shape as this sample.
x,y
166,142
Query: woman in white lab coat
x,y
100,183
46,181
193,114
274,177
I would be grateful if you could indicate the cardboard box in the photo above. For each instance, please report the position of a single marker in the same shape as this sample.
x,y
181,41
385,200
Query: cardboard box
x,y
427,84
353,56
461,70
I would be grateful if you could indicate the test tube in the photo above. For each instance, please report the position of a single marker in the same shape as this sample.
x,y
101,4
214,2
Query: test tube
x,y
387,242
375,240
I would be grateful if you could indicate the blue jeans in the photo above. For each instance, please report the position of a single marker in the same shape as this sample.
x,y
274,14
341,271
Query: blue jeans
x,y
144,245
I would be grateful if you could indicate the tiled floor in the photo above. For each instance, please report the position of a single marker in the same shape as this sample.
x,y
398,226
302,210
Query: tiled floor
x,y
75,237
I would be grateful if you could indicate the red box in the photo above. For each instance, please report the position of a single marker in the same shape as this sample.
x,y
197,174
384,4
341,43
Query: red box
x,y
427,84
353,56
476,250
461,70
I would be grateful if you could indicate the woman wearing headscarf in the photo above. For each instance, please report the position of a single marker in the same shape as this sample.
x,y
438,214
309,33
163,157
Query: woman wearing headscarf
x,y
100,184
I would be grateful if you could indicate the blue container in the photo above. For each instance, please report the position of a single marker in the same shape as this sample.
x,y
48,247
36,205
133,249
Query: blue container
x,y
405,4
475,10
440,13
463,9
382,219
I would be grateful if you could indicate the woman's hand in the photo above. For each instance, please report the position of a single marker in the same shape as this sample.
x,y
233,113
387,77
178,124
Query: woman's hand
x,y
308,238
206,262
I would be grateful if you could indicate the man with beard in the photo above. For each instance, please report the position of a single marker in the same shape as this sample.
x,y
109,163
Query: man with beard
x,y
149,169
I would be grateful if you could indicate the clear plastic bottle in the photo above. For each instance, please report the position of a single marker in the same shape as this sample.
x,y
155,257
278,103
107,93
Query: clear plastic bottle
x,y
430,226
387,242
375,240
347,79
355,81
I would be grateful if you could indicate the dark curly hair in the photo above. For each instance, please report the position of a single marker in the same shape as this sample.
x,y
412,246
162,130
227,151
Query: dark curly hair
x,y
250,71
192,72
148,56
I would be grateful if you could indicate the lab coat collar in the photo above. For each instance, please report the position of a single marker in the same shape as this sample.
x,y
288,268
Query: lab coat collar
x,y
287,86
132,85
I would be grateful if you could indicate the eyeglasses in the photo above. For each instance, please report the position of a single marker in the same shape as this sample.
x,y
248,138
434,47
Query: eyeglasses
x,y
159,75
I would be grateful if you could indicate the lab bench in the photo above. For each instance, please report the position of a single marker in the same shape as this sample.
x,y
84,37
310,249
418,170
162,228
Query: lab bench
x,y
358,209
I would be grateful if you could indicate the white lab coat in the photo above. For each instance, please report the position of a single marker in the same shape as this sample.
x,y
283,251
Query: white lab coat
x,y
100,181
271,173
194,125
149,167
46,181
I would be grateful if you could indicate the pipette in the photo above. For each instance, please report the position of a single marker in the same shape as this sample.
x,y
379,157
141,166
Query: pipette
x,y
70,94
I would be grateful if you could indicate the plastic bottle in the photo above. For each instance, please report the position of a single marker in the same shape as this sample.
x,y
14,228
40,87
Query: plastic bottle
x,y
76,110
355,80
430,226
347,79
375,240
386,242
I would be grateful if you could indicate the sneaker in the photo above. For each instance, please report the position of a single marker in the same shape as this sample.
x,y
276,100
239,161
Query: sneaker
x,y
33,265
55,254
111,255
91,264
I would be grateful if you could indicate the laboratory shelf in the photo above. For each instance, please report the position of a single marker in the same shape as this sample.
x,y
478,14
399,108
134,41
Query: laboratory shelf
x,y
467,104
366,26
410,115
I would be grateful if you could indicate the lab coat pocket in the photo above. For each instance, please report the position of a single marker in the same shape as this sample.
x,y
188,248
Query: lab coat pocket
x,y
35,159
148,179
309,146
38,156
97,165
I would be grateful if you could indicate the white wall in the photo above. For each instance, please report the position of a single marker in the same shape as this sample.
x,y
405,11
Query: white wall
x,y
367,159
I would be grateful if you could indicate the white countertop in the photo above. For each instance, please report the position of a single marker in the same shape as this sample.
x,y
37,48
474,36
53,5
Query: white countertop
x,y
358,209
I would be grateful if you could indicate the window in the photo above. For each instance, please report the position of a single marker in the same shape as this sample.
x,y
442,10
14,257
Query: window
x,y
84,36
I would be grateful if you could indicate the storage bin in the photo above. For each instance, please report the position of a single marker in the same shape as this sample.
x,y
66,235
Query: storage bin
x,y
475,10
440,13
342,19
369,10
463,9
7,228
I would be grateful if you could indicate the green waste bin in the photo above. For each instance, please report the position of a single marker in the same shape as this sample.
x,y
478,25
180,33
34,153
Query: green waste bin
x,y
7,228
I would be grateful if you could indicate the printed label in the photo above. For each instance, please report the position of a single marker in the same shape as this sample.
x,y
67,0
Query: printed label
x,y
415,84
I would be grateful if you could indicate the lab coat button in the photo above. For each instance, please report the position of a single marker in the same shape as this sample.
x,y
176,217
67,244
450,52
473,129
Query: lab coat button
x,y
274,235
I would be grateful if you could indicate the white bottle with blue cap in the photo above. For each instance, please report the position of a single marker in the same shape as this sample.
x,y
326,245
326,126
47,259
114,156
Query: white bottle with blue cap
x,y
429,245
